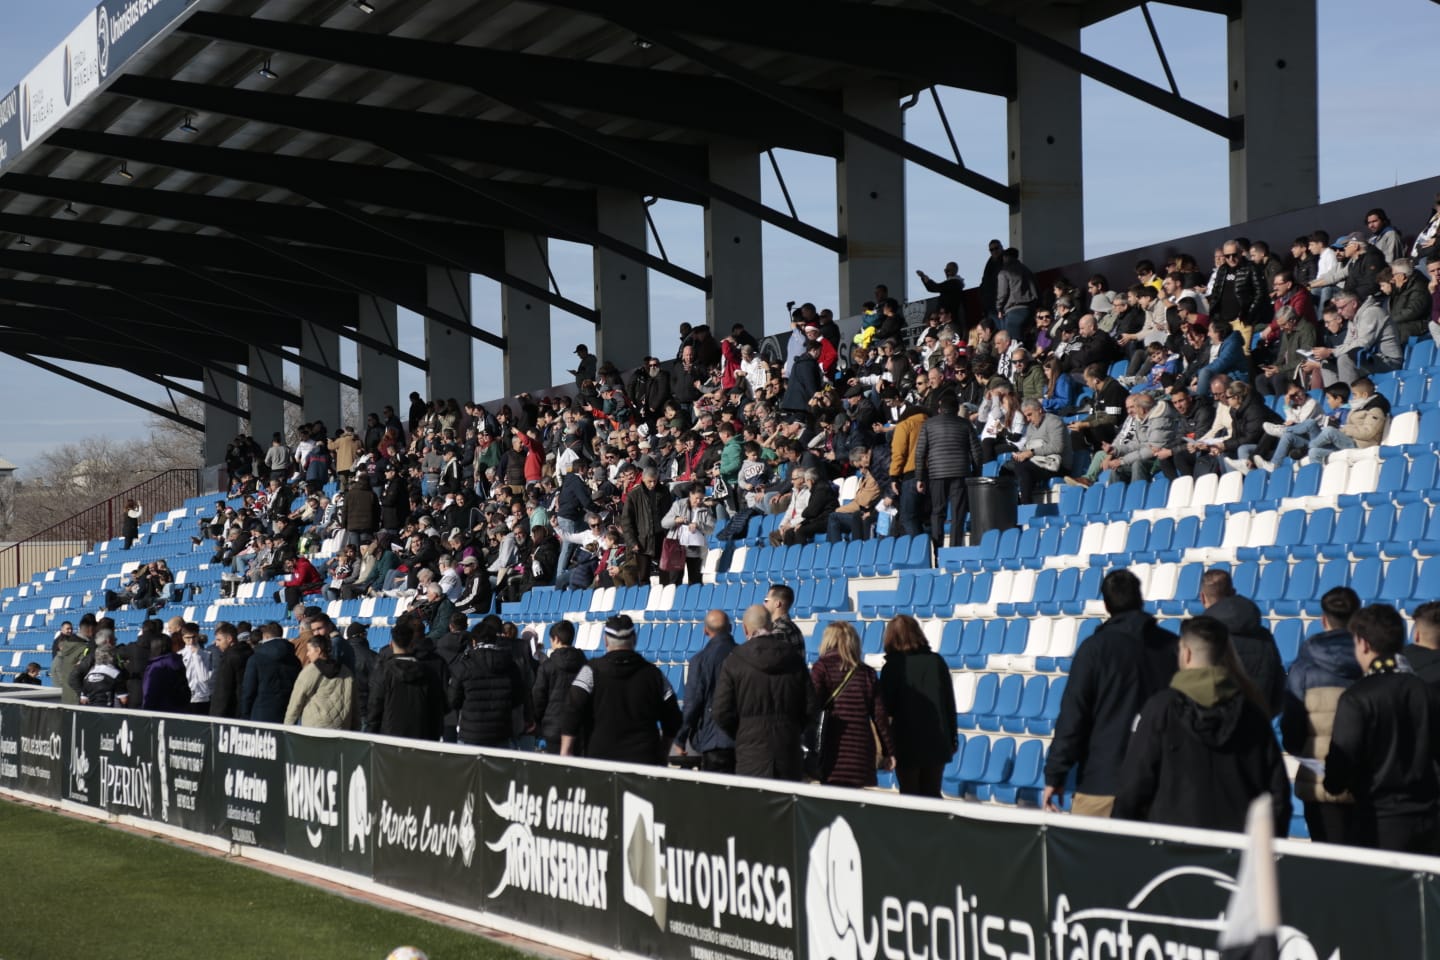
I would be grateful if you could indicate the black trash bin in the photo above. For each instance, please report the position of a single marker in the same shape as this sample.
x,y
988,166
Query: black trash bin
x,y
993,505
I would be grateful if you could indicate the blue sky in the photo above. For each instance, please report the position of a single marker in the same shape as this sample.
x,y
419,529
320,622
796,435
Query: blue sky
x,y
1171,180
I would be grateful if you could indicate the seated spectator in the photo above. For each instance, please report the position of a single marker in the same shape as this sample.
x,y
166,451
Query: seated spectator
x,y
1248,416
1225,354
1103,423
1296,339
1363,425
1041,453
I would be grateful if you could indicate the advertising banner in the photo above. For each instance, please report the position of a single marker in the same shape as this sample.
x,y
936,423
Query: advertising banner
x,y
327,801
185,761
11,716
122,27
549,848
249,766
111,762
9,125
41,753
425,807
880,881
66,76
706,879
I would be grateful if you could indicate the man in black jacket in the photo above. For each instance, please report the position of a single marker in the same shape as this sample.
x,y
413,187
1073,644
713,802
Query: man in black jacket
x,y
1382,749
1254,645
805,382
620,707
229,678
135,657
1203,750
1423,652
394,499
645,506
361,513
485,687
357,636
946,453
552,683
407,693
763,699
270,675
699,731
574,503
1123,663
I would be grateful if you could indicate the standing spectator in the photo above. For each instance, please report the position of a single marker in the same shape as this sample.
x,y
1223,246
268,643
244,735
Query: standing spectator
x,y
990,280
226,686
1382,749
1123,663
850,690
324,693
345,447
778,601
1203,749
199,667
1324,667
645,507
805,381
946,453
68,650
585,367
407,692
1015,294
951,292
689,522
135,657
920,701
552,683
165,687
1423,654
1254,645
394,499
130,526
1237,291
357,636
361,513
269,677
574,503
763,699
104,684
486,687
620,706
698,730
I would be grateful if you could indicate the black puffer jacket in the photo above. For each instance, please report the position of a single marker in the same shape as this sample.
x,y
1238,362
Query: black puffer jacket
x,y
1382,748
1255,646
225,686
1199,755
485,687
552,681
623,708
366,662
763,699
407,697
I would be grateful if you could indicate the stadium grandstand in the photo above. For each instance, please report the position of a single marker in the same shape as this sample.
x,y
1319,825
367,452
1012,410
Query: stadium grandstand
x,y
1256,407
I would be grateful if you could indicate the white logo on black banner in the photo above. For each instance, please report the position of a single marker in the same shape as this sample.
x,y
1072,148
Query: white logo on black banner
x,y
360,820
427,833
9,749
659,875
102,38
312,795
835,897
1146,930
79,762
554,866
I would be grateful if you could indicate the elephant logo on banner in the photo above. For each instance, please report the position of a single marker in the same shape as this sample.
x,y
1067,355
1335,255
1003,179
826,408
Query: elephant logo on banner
x,y
359,821
835,898
644,868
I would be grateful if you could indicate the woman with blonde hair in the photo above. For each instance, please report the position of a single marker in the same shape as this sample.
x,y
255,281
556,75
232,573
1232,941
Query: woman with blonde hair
x,y
915,686
848,690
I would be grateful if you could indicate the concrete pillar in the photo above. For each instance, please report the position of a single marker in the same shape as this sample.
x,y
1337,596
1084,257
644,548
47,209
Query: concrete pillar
x,y
733,251
1273,66
320,393
526,320
622,286
267,411
870,200
220,426
378,373
1043,120
452,370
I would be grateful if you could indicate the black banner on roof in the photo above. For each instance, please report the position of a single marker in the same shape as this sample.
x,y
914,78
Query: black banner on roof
x,y
327,801
425,804
705,878
249,767
549,849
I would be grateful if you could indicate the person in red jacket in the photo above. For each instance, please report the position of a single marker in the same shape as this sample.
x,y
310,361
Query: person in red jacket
x,y
301,580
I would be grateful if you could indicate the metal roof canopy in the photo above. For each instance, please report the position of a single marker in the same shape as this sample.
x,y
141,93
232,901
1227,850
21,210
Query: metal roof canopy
x,y
167,206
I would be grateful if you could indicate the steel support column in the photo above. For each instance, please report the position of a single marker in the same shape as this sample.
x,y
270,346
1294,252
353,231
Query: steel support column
x,y
379,372
221,426
267,411
452,371
870,199
622,286
526,319
1273,64
1048,221
321,392
733,250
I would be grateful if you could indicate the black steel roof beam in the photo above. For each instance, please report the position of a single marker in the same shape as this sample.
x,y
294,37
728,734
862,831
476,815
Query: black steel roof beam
x,y
828,31
834,116
1231,128
684,101
135,356
409,190
103,388
456,65
514,146
1226,8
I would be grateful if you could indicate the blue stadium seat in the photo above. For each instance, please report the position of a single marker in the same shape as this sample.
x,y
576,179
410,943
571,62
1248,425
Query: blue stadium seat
x,y
1289,634
973,761
1400,582
985,689
1032,703
1044,723
950,638
997,767
1026,776
1299,588
1007,702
